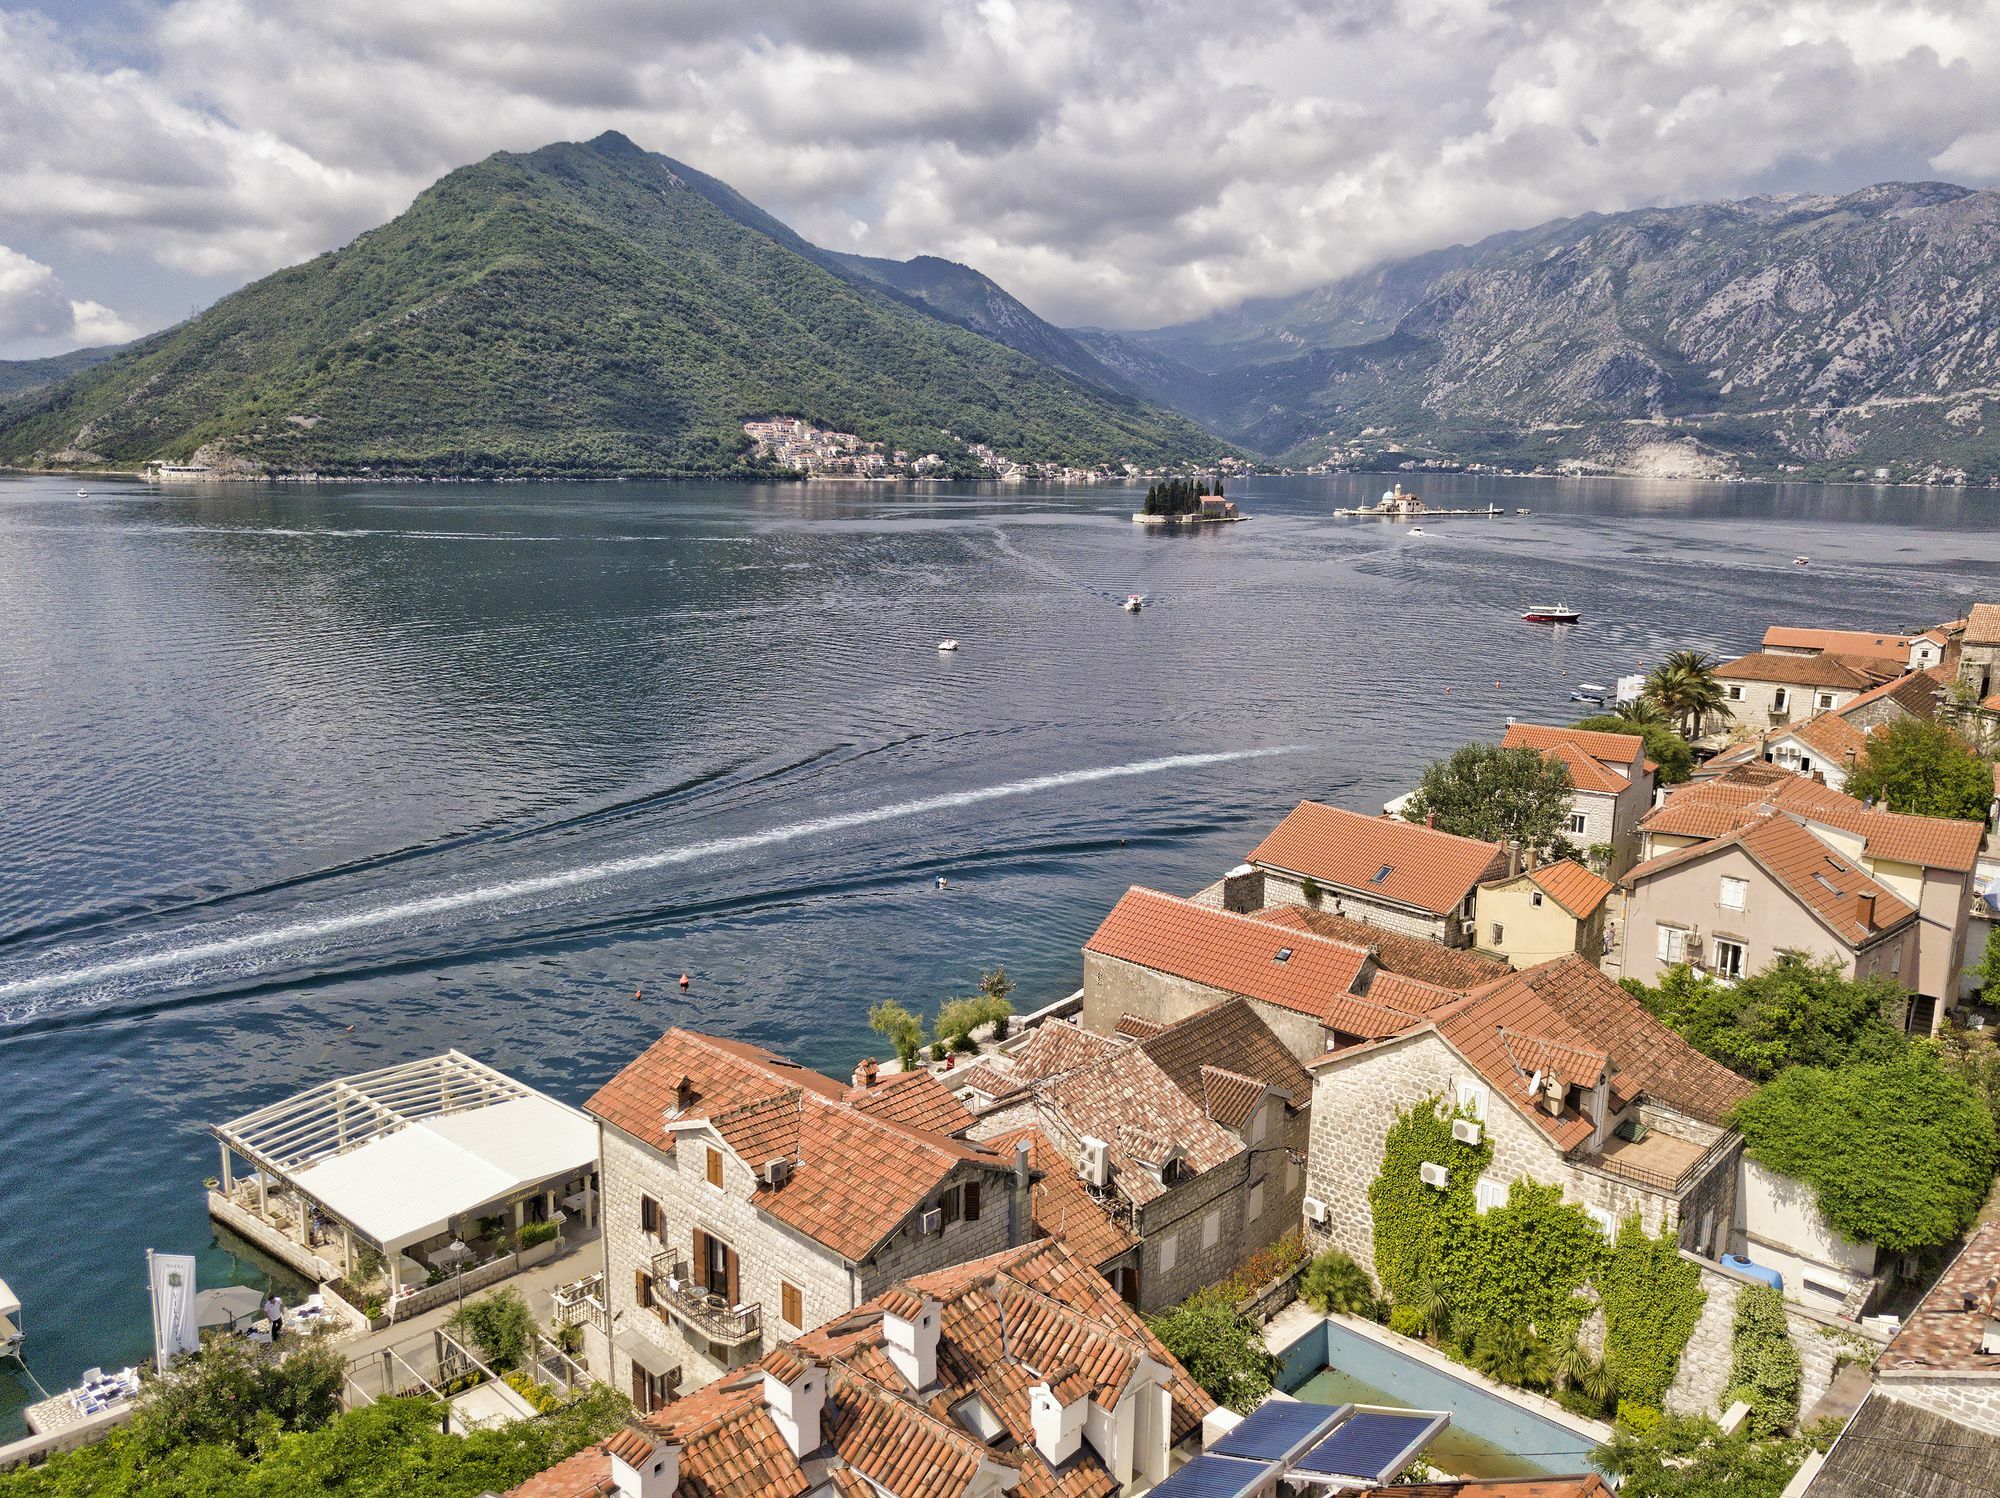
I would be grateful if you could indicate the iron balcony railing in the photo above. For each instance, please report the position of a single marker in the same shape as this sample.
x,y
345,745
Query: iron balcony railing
x,y
712,1315
1660,1180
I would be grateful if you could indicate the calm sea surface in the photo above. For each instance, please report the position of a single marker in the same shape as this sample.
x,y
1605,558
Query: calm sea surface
x,y
298,782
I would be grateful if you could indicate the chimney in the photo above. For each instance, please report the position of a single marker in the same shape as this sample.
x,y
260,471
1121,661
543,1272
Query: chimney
x,y
1058,1425
642,1467
911,1324
866,1073
1021,1153
1243,889
1513,857
1867,904
1431,819
1529,858
795,1397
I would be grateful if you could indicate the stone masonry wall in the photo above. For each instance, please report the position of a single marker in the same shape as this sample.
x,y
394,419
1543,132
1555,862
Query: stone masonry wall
x,y
1282,889
1969,1401
1212,1203
1703,1379
1113,987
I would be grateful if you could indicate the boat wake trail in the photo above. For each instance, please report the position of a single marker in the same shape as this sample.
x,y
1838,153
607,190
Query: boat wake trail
x,y
204,953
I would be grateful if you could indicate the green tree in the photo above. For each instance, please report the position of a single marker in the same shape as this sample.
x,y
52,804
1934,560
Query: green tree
x,y
997,989
1685,687
1986,971
1924,769
1900,1153
499,1326
1222,1350
1664,746
903,1030
1794,1013
1496,795
237,1396
1682,1457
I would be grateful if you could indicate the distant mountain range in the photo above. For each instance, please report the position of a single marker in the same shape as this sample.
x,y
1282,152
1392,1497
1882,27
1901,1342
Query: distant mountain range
x,y
1822,335
596,309
599,311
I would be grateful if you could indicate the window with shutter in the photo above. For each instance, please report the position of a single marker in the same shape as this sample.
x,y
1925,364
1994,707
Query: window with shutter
x,y
715,1167
949,1204
701,1258
649,1216
792,1302
642,1389
731,1286
972,1201
642,1288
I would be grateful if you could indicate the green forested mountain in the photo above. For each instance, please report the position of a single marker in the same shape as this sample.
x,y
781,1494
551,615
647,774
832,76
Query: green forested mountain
x,y
18,376
1821,335
579,310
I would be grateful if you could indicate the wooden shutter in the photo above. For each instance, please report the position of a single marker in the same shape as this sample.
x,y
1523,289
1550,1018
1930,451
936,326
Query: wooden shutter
x,y
972,1201
642,1288
649,1215
793,1304
701,1258
948,1203
642,1389
729,1274
715,1167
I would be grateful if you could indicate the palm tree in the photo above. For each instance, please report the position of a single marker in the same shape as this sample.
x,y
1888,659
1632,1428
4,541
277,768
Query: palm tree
x,y
1640,712
1572,1367
1432,1305
1685,687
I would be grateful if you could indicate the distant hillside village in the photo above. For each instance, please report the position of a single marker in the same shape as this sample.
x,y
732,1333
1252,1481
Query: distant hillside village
x,y
816,452
1622,1097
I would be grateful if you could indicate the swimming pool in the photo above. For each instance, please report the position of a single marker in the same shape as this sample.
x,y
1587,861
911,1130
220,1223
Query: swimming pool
x,y
1489,1436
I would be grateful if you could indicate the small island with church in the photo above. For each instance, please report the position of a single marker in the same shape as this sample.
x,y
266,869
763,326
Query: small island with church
x,y
1180,502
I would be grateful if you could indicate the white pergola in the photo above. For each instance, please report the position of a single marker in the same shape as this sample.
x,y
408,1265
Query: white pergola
x,y
400,1155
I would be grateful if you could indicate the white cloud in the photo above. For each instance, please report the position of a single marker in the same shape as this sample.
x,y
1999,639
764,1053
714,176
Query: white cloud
x,y
38,317
1109,161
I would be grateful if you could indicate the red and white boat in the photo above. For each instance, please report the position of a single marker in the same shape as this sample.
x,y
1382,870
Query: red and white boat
x,y
1552,613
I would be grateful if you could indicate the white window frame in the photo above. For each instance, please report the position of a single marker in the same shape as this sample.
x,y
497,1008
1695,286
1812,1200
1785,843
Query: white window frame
x,y
1496,933
1720,969
1780,699
1672,943
1579,823
1735,693
1535,898
1606,1220
1825,700
1489,1192
1472,1099
1739,887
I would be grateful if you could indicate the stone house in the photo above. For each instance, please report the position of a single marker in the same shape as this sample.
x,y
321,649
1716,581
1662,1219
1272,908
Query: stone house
x,y
1768,690
748,1199
1188,1141
1544,912
1403,876
1020,1372
1828,744
1731,906
1613,782
1560,1067
1930,863
1887,652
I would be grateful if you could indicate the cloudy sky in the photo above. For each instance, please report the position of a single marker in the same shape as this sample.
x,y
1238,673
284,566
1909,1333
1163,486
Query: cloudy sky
x,y
1120,162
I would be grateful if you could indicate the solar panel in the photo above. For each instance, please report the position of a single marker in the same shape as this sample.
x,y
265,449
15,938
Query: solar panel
x,y
1373,1445
1212,1476
1277,1430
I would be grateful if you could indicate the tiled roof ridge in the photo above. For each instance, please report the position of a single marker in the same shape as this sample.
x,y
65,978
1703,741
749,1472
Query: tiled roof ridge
x,y
1234,1076
849,1375
1087,1325
1241,918
1402,823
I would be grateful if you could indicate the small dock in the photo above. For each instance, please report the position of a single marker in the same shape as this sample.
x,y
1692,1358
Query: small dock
x,y
1423,513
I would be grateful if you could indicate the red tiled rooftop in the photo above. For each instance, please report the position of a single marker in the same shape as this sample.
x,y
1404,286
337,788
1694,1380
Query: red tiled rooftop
x,y
1572,886
1609,748
1837,673
1944,1332
1429,962
1417,866
1858,642
1982,624
915,1098
1062,1206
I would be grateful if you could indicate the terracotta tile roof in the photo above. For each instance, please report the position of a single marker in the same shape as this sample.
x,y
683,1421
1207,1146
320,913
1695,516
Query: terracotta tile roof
x,y
1916,693
1398,995
1234,953
1059,1046
1410,956
1836,672
1230,1097
1608,748
1982,624
1578,1066
1934,842
1945,1330
630,1446
857,1175
1572,886
1857,642
1826,882
584,1475
1129,1102
1136,1027
1586,773
1426,869
1061,1205
1228,1036
1830,736
915,1098
891,1442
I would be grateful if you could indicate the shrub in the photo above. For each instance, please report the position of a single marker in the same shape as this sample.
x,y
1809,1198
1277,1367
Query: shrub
x,y
1334,1282
1310,890
1675,1457
541,1396
1406,1321
499,1326
537,1232
1222,1351
1764,1366
1794,1013
237,1395
902,1029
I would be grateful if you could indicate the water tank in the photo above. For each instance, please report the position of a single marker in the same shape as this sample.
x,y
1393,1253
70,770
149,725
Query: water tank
x,y
1769,1276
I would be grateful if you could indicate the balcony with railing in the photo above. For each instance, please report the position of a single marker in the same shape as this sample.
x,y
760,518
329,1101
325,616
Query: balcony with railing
x,y
676,1293
1660,1160
581,1303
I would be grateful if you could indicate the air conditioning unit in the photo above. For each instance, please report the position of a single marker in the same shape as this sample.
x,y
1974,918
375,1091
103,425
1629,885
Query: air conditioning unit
x,y
1694,941
1094,1164
777,1172
1433,1174
1465,1131
1466,928
932,1221
1315,1209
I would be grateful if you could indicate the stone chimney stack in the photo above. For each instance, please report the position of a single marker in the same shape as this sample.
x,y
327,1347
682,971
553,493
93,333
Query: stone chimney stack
x,y
1513,857
866,1073
1529,858
1431,819
1243,889
643,1467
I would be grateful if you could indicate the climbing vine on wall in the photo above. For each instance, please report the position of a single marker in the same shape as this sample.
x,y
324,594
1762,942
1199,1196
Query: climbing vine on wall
x,y
1764,1366
1524,1264
1652,1299
1413,1221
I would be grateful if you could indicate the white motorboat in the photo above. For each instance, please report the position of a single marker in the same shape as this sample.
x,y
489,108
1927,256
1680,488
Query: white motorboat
x,y
1134,602
1416,530
946,647
83,494
1552,613
1801,561
11,1335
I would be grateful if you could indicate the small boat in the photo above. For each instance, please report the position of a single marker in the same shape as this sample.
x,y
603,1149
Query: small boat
x,y
1801,561
1523,510
1416,530
83,494
946,647
1133,603
11,1335
1551,613
1589,691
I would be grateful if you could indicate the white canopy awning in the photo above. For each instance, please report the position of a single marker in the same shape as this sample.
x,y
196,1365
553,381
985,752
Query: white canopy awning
x,y
407,1186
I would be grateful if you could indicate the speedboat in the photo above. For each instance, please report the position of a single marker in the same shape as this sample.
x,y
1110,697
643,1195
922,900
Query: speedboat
x,y
83,494
1416,530
1588,691
1551,613
1134,602
946,647
11,1335
1801,561
1523,511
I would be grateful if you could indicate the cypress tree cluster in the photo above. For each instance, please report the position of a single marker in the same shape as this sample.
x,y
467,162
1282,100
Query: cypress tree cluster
x,y
1180,497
